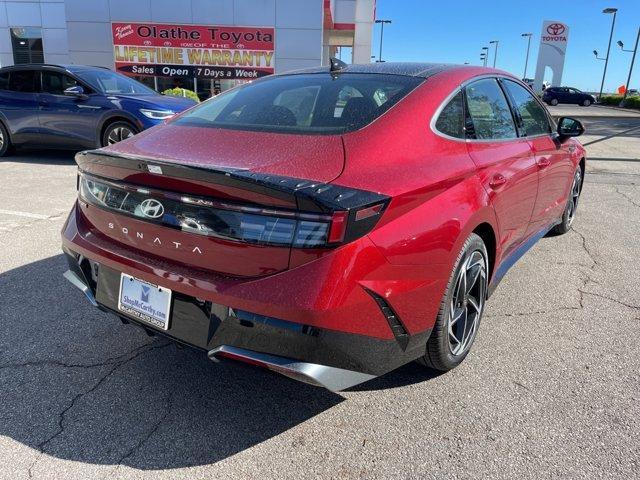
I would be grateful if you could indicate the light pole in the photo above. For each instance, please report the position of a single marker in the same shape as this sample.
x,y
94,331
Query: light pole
x,y
485,52
483,59
526,61
606,60
633,59
495,52
381,22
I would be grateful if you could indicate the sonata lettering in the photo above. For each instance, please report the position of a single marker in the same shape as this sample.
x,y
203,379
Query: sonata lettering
x,y
156,241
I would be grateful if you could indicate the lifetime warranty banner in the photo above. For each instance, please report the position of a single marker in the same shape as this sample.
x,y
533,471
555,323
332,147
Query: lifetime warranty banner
x,y
203,51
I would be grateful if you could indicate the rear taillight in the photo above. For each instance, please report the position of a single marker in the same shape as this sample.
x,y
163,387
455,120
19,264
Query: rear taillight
x,y
232,221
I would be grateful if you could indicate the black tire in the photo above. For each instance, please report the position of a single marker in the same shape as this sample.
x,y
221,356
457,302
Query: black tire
x,y
570,209
5,141
586,102
117,131
553,102
439,353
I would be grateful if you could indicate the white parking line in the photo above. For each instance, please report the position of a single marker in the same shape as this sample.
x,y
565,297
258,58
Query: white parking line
x,y
24,214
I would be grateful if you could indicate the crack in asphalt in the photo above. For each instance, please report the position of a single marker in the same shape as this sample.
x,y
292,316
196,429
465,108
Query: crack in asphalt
x,y
587,277
58,363
134,354
133,450
33,221
594,264
627,197
586,249
585,281
615,300
536,312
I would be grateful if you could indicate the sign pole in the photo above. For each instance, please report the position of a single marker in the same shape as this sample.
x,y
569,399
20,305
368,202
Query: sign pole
x,y
606,61
526,61
633,59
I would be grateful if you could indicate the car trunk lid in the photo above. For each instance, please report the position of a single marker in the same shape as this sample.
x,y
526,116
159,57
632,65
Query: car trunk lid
x,y
311,157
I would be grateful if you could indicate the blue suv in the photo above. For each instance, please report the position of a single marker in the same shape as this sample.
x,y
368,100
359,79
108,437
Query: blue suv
x,y
76,107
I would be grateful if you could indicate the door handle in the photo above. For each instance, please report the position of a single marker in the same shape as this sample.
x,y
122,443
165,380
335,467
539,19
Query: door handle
x,y
543,162
497,181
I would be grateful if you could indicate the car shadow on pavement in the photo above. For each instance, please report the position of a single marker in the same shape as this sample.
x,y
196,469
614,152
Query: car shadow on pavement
x,y
42,157
76,384
408,374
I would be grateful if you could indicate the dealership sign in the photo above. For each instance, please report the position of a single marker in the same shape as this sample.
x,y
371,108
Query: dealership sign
x,y
216,52
553,47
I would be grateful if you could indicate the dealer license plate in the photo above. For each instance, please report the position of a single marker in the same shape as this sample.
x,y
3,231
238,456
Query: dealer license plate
x,y
144,301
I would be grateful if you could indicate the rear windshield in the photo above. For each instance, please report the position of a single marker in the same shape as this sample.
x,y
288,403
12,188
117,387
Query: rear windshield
x,y
306,103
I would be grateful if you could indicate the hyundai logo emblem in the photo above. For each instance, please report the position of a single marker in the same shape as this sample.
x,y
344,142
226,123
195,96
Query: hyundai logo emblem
x,y
152,208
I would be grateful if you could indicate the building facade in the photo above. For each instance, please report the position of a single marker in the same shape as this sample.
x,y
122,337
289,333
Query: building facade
x,y
191,43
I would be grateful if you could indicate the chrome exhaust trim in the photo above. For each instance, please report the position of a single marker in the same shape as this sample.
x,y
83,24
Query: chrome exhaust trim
x,y
331,378
77,282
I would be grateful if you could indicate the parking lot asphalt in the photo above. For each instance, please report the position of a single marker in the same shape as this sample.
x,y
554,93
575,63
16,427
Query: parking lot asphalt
x,y
550,390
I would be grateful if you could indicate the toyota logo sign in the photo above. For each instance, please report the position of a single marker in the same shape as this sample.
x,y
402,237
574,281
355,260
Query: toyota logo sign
x,y
152,208
555,29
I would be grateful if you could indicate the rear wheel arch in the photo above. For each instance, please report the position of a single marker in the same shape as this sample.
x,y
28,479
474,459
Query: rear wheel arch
x,y
486,232
583,166
5,124
7,145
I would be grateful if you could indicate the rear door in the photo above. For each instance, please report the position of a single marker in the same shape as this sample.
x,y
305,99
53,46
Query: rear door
x,y
553,159
576,96
564,95
67,120
506,165
19,104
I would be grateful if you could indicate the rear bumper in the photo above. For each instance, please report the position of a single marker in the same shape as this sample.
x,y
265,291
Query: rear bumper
x,y
318,323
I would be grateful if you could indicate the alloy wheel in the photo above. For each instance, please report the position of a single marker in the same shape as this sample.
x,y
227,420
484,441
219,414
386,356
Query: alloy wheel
x,y
575,197
467,303
118,134
1,139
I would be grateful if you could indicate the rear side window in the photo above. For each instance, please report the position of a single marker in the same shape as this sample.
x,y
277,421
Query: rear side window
x,y
489,111
451,118
533,117
305,103
23,81
4,80
56,83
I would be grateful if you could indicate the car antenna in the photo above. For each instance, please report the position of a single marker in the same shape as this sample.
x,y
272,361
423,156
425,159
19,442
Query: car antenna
x,y
335,64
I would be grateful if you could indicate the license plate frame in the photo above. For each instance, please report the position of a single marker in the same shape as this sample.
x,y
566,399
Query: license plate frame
x,y
145,301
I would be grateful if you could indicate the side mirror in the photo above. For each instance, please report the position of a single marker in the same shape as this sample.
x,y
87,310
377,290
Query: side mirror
x,y
76,91
569,127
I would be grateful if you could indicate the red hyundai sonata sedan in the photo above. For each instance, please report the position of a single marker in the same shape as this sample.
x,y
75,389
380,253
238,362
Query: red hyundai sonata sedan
x,y
330,224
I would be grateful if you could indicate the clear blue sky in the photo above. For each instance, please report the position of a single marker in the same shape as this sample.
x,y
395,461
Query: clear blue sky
x,y
454,32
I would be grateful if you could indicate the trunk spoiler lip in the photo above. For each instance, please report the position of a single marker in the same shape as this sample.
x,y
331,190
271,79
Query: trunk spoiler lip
x,y
308,195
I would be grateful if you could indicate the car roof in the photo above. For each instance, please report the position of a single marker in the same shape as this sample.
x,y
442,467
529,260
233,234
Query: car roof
x,y
50,66
409,69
